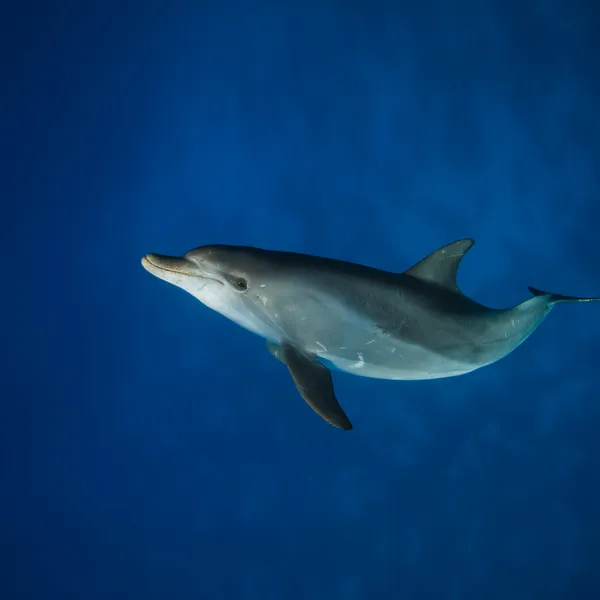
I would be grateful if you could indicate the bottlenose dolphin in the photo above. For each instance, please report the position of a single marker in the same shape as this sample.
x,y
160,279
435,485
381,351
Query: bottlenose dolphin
x,y
320,313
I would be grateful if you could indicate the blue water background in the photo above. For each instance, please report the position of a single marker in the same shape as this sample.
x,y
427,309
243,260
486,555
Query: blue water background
x,y
153,450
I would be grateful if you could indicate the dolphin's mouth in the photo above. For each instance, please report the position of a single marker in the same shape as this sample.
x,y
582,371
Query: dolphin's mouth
x,y
173,264
159,263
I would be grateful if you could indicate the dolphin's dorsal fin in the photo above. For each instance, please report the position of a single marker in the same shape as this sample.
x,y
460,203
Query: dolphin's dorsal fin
x,y
441,266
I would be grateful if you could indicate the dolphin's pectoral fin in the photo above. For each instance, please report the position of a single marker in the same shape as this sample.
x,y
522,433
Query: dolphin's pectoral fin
x,y
441,266
314,383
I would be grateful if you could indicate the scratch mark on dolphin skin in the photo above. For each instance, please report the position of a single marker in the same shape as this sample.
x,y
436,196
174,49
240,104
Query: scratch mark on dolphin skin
x,y
321,346
361,361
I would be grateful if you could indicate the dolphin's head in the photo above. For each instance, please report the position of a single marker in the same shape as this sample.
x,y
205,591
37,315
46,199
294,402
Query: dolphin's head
x,y
222,270
221,277
236,267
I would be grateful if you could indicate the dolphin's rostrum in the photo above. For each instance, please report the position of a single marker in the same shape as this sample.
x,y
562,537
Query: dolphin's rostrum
x,y
319,313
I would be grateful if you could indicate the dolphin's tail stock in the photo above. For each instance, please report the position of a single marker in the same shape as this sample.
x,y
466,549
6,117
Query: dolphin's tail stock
x,y
557,298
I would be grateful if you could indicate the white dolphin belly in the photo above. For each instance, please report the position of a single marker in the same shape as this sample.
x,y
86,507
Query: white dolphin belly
x,y
404,364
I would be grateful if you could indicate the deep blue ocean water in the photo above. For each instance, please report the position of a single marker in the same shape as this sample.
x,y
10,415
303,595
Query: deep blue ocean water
x,y
151,449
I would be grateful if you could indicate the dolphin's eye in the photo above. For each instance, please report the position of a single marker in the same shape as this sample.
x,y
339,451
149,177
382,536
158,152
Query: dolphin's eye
x,y
241,284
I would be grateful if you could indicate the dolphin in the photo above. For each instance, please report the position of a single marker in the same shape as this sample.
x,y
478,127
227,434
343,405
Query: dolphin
x,y
319,314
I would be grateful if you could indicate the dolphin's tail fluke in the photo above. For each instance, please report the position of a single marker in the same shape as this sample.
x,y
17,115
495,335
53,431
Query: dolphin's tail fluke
x,y
556,298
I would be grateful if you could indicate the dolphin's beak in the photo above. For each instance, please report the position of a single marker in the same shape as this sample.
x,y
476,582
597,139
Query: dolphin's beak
x,y
170,268
159,263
